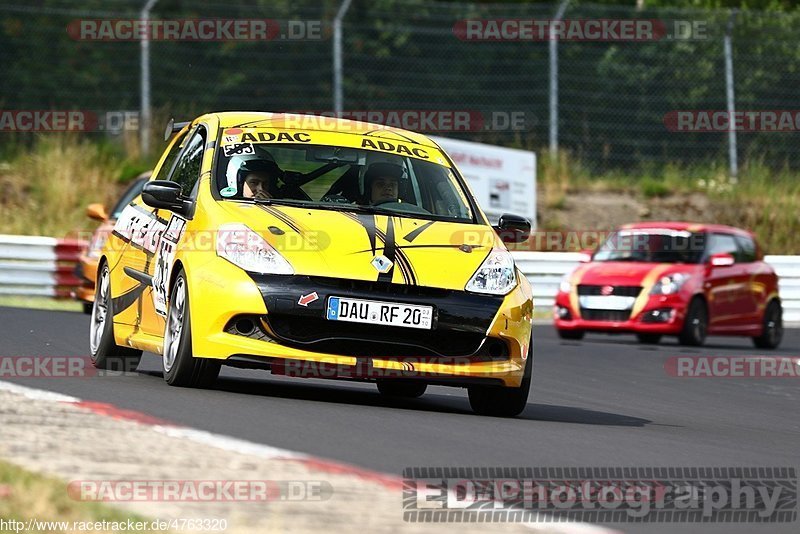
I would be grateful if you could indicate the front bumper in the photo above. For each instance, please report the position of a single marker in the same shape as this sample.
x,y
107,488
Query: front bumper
x,y
475,337
658,314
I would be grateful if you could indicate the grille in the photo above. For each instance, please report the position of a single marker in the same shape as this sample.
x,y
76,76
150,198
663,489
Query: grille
x,y
605,315
340,337
621,291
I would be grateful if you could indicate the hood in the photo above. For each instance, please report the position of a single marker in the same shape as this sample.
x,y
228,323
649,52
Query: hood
x,y
622,273
340,244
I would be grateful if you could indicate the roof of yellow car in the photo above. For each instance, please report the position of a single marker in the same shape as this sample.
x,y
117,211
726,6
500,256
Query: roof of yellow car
x,y
291,121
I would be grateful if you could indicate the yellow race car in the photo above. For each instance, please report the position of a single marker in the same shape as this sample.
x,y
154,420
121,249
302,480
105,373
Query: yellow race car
x,y
315,247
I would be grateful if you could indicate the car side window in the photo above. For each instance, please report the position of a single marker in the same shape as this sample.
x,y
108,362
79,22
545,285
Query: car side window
x,y
748,249
187,170
723,244
175,149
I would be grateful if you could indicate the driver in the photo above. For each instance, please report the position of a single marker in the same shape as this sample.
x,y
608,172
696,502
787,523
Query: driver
x,y
259,178
382,181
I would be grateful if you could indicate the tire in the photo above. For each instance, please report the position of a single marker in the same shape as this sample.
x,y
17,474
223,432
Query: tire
x,y
103,350
772,332
501,401
180,366
649,339
570,334
695,326
401,388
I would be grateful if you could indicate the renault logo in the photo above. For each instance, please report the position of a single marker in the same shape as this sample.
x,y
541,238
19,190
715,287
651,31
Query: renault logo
x,y
382,264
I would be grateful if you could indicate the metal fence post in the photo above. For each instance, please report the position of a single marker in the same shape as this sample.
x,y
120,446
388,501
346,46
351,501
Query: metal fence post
x,y
732,152
337,56
554,82
144,45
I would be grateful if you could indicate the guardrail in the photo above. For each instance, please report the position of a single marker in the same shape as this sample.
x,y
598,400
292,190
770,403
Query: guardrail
x,y
545,269
31,265
38,266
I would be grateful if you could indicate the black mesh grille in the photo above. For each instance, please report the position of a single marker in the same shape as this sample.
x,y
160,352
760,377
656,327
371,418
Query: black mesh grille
x,y
605,315
621,291
371,340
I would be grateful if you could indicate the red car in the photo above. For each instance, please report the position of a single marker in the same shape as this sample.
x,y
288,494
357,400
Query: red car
x,y
667,278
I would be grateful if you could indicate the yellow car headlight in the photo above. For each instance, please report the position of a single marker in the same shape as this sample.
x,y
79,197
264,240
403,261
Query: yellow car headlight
x,y
245,248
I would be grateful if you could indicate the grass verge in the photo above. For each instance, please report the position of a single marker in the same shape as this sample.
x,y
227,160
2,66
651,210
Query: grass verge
x,y
26,496
40,303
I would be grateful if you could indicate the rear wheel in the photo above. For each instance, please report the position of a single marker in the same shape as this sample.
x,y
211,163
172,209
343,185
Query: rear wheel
x,y
399,388
772,332
104,351
503,401
180,366
695,326
649,339
570,334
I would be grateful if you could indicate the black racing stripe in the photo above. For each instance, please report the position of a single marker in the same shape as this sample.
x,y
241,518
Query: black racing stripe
x,y
126,300
288,221
368,222
389,251
406,269
411,236
147,253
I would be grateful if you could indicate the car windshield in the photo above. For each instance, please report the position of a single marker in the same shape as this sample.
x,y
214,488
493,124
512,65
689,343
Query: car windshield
x,y
652,245
341,178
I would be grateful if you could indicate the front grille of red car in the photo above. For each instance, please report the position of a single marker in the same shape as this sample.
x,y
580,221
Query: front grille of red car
x,y
605,315
621,291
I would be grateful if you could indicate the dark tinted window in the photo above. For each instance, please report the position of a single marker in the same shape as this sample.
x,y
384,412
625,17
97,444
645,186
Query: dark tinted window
x,y
163,172
187,171
747,249
127,197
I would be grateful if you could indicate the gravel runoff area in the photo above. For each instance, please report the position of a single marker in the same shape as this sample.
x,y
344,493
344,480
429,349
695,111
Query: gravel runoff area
x,y
74,443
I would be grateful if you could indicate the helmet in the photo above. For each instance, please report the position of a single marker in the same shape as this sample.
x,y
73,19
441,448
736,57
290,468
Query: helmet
x,y
240,166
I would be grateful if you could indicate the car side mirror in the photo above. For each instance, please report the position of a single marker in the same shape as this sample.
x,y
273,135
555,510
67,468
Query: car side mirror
x,y
163,194
721,260
513,228
97,212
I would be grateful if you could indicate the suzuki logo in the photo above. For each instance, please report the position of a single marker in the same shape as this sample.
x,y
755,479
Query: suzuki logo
x,y
606,290
382,264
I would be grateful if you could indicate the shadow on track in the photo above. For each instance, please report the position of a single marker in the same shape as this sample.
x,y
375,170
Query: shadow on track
x,y
430,402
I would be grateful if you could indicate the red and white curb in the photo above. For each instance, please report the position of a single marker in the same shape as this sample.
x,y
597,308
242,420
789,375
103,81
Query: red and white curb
x,y
38,266
244,447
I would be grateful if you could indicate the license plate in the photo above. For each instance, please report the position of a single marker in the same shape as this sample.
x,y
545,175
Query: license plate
x,y
383,313
610,302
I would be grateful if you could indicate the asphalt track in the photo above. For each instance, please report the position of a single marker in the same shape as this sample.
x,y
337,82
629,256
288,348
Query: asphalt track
x,y
603,401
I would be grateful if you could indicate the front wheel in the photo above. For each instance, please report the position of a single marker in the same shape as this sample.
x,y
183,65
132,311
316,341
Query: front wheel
x,y
502,401
695,326
180,366
104,351
772,329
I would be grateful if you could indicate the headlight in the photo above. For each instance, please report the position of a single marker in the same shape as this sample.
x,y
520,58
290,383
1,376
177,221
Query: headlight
x,y
667,285
495,276
244,248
